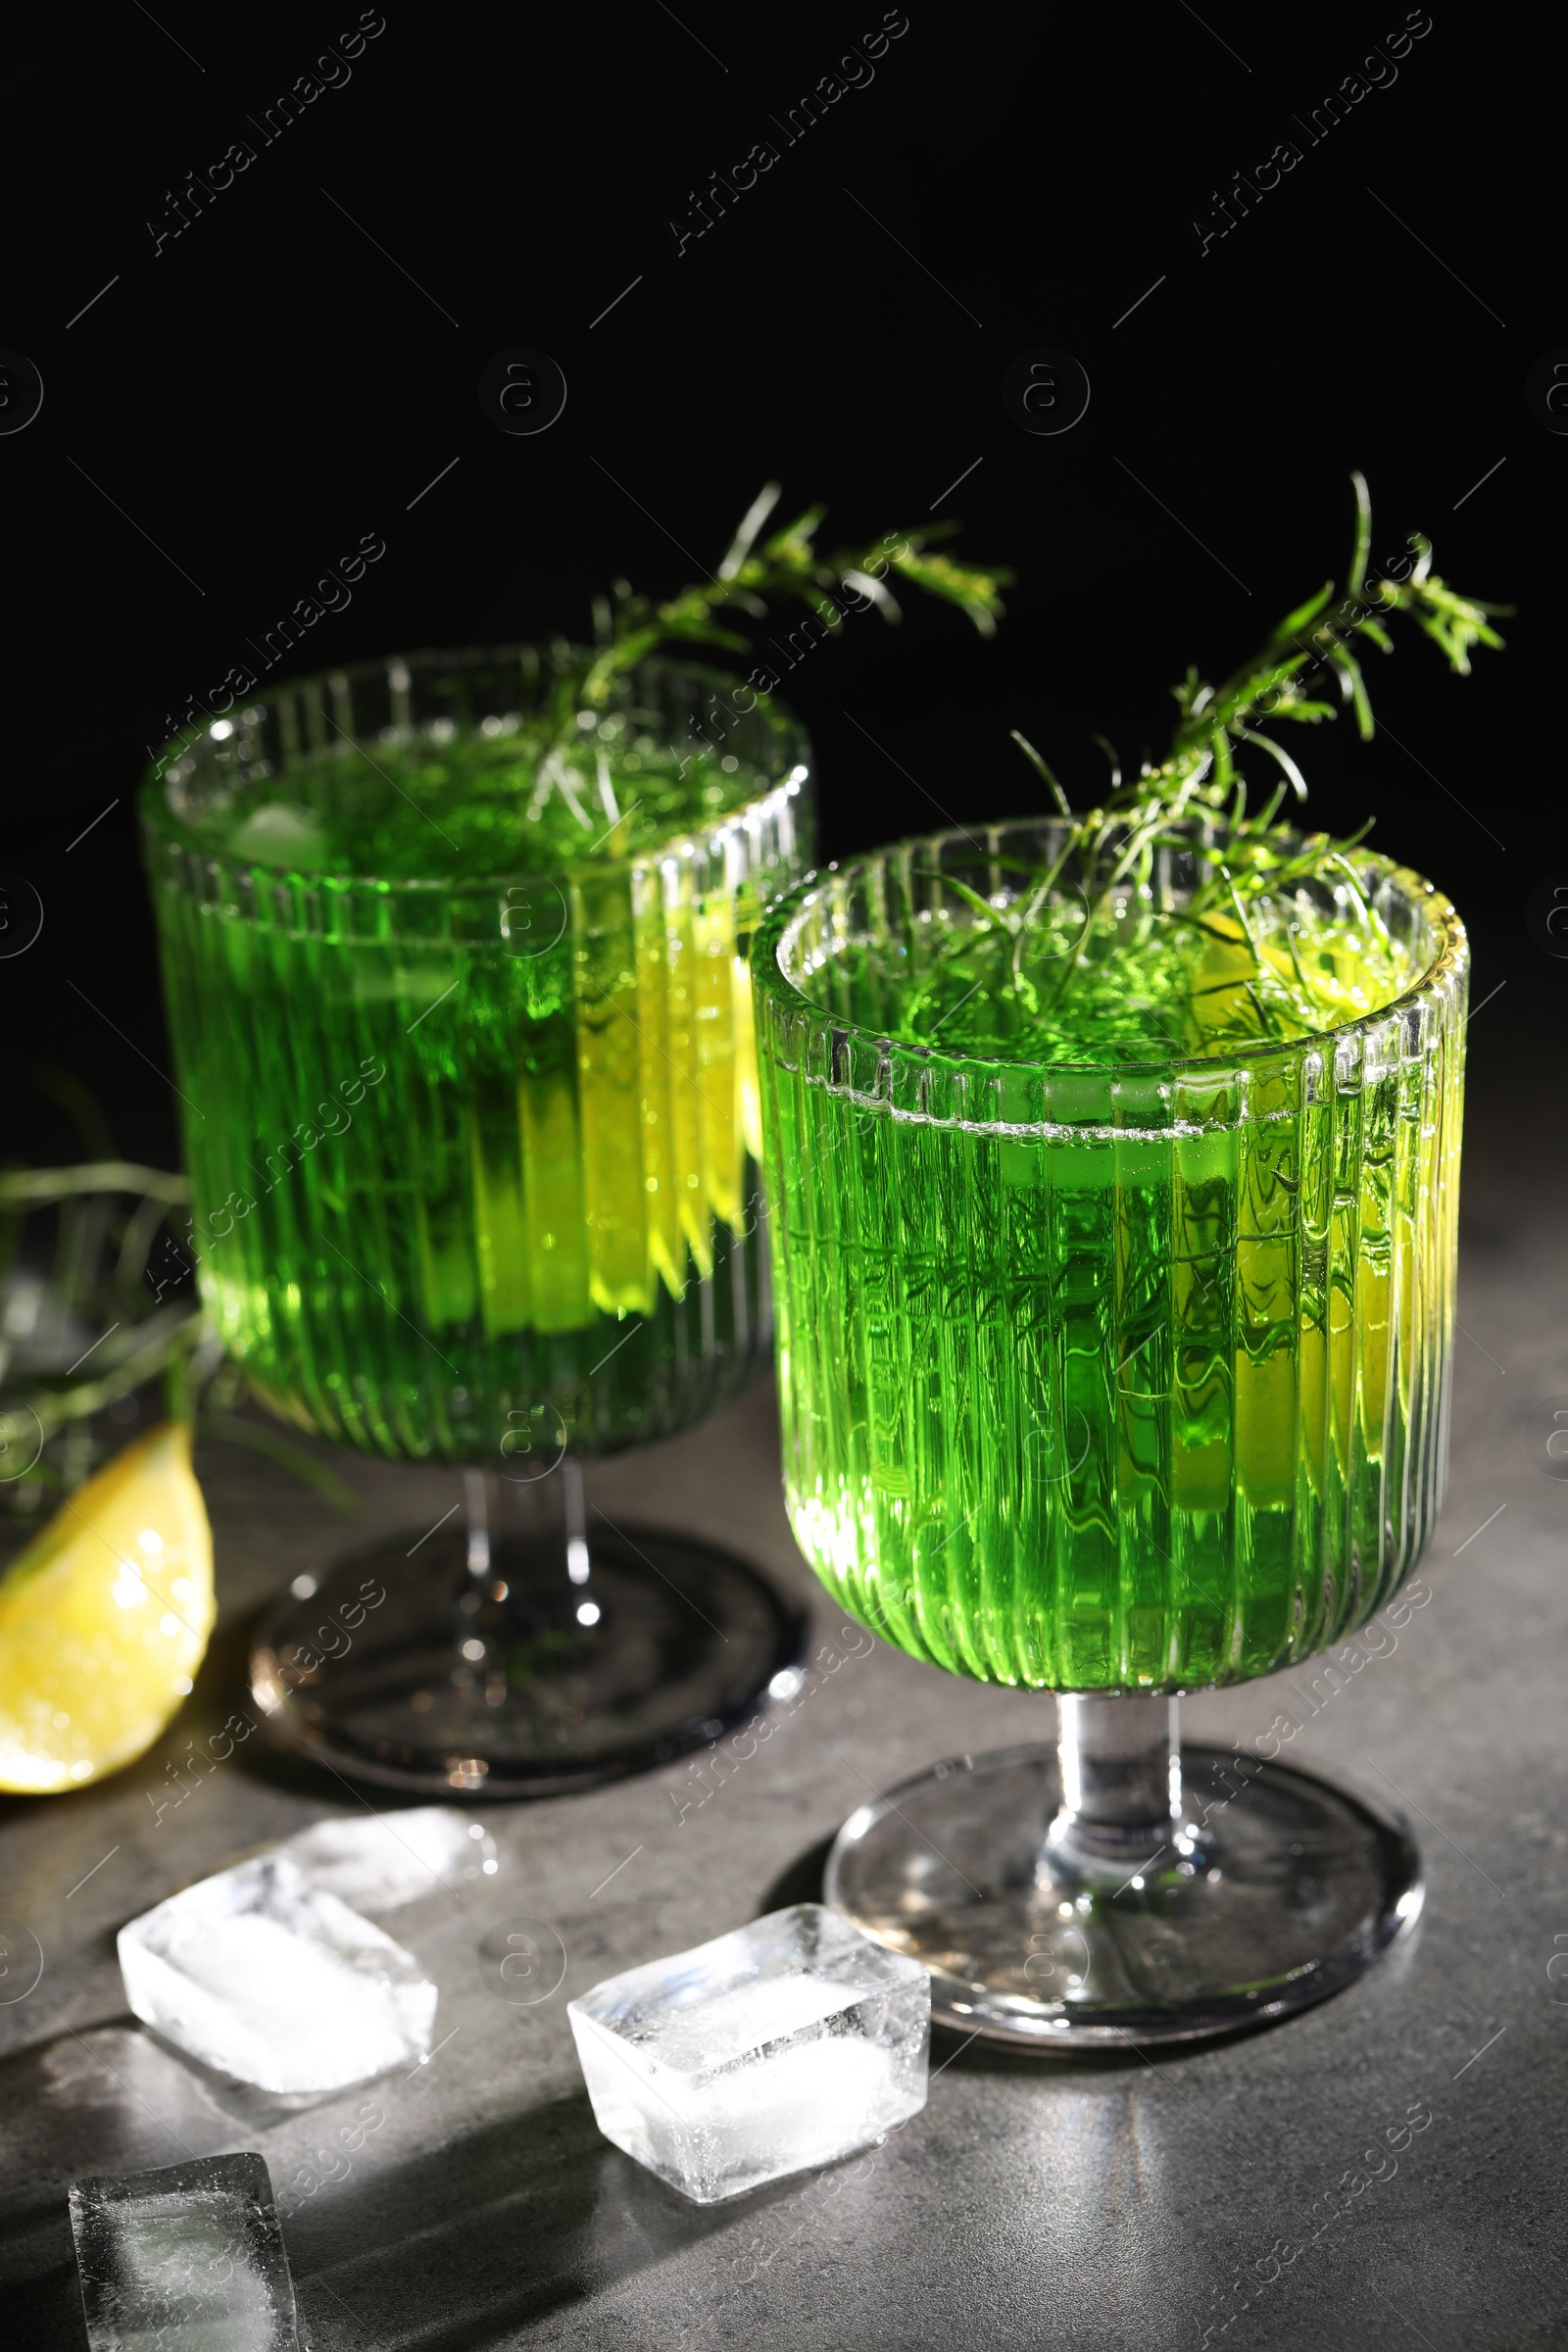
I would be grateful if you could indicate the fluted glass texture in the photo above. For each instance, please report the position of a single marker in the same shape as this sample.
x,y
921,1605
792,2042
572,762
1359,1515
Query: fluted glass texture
x,y
1103,1378
473,1160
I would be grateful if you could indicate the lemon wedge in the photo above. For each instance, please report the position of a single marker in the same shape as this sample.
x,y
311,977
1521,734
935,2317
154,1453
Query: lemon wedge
x,y
104,1619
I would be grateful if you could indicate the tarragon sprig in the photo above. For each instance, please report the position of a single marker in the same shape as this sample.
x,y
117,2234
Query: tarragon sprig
x,y
629,627
1108,852
787,564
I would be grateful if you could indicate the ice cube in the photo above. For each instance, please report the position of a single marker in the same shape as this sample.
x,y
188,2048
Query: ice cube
x,y
380,1861
189,2260
787,2043
271,1980
279,835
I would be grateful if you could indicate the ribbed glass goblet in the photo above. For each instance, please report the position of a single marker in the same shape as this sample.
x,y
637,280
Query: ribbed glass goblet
x,y
456,978
1114,1380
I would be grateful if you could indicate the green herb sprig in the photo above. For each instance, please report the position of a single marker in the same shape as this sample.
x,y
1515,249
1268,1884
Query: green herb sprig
x,y
787,564
1108,854
755,572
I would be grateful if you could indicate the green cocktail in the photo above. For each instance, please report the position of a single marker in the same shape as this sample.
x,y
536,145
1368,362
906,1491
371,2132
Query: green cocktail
x,y
455,952
1105,1367
455,969
1113,1159
1114,1289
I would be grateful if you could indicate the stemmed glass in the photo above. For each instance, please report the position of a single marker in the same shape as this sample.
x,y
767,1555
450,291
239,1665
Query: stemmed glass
x,y
1116,1382
472,1149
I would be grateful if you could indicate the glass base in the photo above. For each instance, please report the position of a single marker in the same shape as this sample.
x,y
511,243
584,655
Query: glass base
x,y
507,1678
1258,1899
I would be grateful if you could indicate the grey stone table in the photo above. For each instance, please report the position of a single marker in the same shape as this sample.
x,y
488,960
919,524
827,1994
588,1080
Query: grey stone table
x,y
1036,2203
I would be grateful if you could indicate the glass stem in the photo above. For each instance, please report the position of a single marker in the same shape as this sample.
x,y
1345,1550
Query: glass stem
x,y
1121,1788
576,1508
477,1500
550,1515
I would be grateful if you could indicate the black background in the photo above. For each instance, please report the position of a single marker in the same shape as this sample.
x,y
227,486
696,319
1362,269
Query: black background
x,y
280,378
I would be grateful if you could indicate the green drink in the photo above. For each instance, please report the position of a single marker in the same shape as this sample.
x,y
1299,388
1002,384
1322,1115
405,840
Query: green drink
x,y
455,952
1114,1317
464,1036
1105,1370
1112,1161
455,968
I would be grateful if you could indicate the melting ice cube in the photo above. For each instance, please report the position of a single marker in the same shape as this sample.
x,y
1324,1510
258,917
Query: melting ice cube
x,y
380,1861
271,1980
278,835
787,2043
190,2260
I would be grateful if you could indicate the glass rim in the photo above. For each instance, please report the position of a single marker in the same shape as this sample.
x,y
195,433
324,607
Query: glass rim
x,y
1449,960
682,842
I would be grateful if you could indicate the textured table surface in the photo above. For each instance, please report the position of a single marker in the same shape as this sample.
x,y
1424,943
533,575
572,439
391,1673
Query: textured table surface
x,y
1035,2203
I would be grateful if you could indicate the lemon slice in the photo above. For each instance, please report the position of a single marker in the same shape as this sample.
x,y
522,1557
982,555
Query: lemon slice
x,y
104,1619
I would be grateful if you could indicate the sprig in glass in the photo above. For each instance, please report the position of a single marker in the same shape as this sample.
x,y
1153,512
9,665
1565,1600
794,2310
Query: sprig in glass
x,y
1108,854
